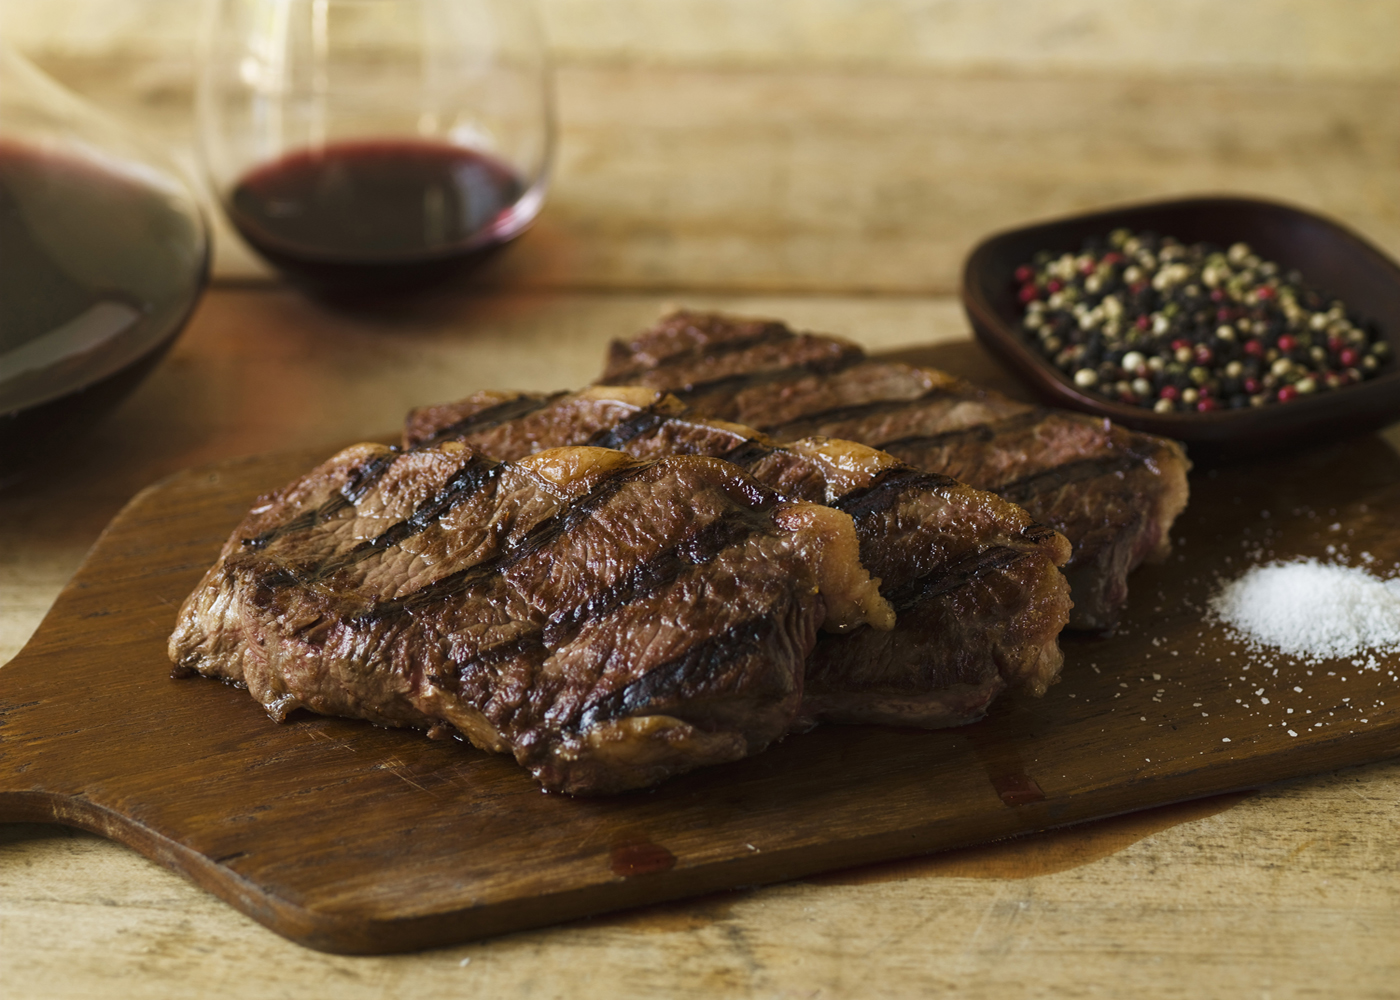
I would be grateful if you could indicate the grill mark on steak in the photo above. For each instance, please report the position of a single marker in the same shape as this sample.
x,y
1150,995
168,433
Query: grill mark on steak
x,y
492,416
1115,520
702,658
735,383
658,571
886,492
642,422
770,333
1009,621
809,423
748,453
705,668
951,576
361,480
478,474
1025,488
565,520
985,432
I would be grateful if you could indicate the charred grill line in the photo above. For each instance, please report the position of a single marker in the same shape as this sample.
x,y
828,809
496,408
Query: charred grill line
x,y
704,659
492,416
561,522
885,492
811,422
361,480
1023,489
662,568
1037,534
736,383
954,575
979,433
642,422
772,333
747,454
479,473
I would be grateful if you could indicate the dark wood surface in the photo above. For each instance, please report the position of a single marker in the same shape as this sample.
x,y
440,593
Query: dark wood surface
x,y
350,838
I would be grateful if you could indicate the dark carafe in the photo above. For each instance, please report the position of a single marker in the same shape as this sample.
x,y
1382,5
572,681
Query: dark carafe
x,y
102,258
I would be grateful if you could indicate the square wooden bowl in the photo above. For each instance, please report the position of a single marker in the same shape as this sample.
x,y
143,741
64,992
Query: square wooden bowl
x,y
1331,258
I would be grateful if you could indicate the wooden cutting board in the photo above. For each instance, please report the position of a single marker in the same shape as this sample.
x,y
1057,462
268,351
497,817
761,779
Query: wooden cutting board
x,y
349,838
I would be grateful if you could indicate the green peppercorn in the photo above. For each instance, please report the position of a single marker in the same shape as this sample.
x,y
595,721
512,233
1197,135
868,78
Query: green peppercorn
x,y
1152,313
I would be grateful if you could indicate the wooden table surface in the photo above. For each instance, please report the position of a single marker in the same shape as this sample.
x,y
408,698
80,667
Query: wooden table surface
x,y
840,200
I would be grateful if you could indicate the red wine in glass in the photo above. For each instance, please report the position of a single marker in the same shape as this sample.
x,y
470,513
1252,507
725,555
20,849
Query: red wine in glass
x,y
98,274
367,217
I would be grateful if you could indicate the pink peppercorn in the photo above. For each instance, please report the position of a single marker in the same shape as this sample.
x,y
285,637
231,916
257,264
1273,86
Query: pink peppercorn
x,y
1204,355
1251,385
1028,293
1349,357
1025,273
1254,348
1206,405
1287,393
1170,392
1286,343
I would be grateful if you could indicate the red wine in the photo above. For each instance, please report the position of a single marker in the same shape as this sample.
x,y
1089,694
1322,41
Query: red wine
x,y
100,272
377,216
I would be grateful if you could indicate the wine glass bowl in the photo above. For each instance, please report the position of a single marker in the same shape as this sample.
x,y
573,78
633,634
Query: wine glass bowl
x,y
375,146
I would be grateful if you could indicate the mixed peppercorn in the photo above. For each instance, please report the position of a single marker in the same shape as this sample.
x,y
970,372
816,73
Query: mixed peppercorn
x,y
1143,319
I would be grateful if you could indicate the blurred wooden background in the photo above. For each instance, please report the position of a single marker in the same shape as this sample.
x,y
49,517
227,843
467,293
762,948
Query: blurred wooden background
x,y
864,145
830,162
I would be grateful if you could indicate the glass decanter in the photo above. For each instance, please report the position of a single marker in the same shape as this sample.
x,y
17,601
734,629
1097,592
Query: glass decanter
x,y
103,254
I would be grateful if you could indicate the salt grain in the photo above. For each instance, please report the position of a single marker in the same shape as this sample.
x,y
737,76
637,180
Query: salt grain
x,y
1312,610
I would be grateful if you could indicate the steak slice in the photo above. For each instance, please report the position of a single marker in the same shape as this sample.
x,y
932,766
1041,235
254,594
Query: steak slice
x,y
1112,492
607,620
974,580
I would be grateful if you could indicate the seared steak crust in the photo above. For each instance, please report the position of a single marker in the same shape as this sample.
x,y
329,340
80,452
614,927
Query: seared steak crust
x,y
1114,493
974,580
609,621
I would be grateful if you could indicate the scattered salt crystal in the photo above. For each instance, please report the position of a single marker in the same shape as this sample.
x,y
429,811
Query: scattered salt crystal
x,y
1312,609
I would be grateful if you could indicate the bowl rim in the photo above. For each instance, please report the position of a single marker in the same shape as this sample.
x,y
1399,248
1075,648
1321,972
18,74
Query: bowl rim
x,y
1008,345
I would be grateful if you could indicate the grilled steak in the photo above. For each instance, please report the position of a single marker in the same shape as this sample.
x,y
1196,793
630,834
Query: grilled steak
x,y
610,621
1112,492
980,601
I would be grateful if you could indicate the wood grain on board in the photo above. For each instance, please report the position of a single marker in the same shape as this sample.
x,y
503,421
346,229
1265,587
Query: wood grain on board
x,y
355,839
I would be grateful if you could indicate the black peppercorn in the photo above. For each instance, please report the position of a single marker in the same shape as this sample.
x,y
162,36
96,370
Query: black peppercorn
x,y
1149,321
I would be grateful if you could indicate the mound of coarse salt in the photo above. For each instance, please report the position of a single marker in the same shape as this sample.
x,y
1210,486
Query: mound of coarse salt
x,y
1312,610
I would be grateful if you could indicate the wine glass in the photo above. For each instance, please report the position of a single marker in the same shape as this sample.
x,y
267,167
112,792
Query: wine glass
x,y
103,255
373,146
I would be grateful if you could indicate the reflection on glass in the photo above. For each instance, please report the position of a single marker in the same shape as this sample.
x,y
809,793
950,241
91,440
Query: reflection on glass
x,y
375,145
